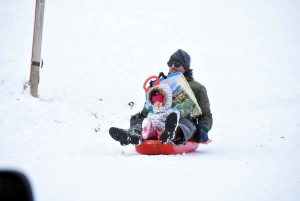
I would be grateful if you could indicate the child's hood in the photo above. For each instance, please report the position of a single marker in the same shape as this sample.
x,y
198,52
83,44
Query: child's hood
x,y
166,91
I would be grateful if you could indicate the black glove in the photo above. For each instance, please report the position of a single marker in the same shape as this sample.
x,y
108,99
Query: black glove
x,y
201,133
136,116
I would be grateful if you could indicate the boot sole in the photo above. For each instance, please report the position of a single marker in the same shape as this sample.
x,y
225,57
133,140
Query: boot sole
x,y
124,136
170,128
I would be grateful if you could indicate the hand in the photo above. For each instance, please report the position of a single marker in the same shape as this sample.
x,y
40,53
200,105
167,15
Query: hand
x,y
201,133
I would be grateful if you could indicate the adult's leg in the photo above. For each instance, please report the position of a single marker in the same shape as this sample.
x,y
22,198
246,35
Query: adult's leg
x,y
185,131
136,124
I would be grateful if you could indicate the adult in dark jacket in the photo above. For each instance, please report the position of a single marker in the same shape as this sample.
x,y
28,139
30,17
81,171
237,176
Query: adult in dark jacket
x,y
186,129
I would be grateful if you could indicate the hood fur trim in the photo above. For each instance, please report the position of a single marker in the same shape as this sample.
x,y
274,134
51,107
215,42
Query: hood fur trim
x,y
165,90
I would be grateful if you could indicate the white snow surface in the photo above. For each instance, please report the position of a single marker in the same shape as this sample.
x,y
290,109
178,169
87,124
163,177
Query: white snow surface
x,y
97,54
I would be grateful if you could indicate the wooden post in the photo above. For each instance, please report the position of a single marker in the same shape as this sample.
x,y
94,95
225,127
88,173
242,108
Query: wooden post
x,y
36,47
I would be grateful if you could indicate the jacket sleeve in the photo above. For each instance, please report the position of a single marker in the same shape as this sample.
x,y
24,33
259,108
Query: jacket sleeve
x,y
144,112
203,102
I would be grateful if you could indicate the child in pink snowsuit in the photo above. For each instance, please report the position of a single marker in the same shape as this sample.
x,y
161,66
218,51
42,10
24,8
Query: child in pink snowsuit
x,y
160,97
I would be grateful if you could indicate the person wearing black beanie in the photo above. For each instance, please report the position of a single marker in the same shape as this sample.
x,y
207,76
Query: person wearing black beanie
x,y
185,129
180,61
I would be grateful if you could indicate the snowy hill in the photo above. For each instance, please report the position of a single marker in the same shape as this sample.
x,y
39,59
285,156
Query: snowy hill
x,y
97,55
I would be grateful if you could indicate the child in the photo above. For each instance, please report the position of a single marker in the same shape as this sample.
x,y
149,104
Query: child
x,y
160,97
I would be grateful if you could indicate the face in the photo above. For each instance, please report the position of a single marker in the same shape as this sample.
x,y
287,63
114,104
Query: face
x,y
157,104
174,69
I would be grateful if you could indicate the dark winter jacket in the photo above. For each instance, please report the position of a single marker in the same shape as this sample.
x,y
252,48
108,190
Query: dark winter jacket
x,y
203,101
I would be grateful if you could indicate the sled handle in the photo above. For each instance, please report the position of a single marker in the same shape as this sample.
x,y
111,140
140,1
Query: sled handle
x,y
147,80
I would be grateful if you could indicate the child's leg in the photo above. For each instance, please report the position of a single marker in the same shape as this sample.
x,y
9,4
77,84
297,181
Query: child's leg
x,y
170,128
153,134
146,125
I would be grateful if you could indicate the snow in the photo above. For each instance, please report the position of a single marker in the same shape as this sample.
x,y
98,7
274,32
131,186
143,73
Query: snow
x,y
97,55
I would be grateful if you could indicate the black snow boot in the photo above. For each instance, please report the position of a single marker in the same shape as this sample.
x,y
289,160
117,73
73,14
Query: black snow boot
x,y
126,136
170,128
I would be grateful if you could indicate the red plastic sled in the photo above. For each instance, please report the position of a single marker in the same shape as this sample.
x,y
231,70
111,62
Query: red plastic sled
x,y
155,147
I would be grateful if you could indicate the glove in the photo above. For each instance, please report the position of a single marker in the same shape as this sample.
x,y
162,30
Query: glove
x,y
135,116
201,133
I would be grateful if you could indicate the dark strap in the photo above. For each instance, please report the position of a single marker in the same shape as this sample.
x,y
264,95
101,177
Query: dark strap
x,y
152,82
35,63
161,74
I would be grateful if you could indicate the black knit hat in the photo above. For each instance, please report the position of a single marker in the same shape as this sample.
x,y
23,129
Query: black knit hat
x,y
182,57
